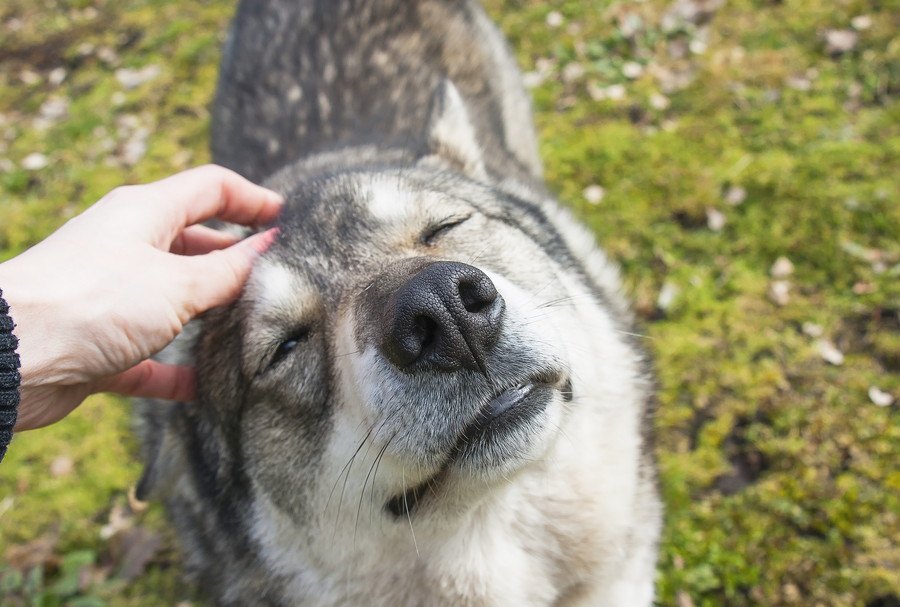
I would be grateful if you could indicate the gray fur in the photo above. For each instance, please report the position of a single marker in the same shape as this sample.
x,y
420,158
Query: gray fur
x,y
283,479
306,76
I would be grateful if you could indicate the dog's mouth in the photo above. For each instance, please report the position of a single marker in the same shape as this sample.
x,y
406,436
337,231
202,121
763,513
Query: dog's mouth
x,y
494,434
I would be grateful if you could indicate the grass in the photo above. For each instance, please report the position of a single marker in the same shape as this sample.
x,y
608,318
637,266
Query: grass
x,y
779,473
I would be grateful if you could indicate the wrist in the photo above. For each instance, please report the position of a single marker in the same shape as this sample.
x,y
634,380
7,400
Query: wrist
x,y
39,349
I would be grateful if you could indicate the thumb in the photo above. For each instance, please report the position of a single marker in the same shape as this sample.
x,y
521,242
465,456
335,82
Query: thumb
x,y
218,277
152,379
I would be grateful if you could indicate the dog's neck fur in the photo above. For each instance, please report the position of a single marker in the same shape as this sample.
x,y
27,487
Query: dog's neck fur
x,y
543,538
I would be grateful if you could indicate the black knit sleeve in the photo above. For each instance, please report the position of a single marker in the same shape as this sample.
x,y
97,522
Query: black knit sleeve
x,y
9,377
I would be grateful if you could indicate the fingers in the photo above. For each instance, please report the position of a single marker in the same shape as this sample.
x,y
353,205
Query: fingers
x,y
217,278
199,240
174,203
213,191
152,379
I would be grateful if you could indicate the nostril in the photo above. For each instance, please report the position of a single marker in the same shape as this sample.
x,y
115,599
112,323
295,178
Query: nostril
x,y
474,298
426,331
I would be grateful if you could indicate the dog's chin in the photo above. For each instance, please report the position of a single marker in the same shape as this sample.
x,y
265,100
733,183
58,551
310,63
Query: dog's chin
x,y
510,431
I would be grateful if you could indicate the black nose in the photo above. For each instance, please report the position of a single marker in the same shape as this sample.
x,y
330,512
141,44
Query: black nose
x,y
446,317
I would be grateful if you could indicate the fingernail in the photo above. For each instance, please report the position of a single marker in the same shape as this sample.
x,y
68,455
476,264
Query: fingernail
x,y
261,242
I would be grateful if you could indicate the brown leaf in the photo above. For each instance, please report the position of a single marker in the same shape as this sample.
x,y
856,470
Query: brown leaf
x,y
135,549
40,551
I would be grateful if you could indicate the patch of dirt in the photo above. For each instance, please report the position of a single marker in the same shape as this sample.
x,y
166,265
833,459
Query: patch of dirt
x,y
747,462
866,333
690,220
885,600
48,52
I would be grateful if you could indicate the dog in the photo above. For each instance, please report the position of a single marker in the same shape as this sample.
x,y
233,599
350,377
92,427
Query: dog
x,y
428,393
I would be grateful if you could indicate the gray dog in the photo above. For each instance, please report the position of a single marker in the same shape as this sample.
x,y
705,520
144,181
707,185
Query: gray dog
x,y
427,394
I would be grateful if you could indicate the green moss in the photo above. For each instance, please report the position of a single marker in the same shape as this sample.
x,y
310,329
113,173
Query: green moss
x,y
778,472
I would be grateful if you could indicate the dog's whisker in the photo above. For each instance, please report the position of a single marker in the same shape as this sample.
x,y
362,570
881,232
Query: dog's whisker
x,y
562,433
538,318
375,475
478,255
641,335
533,319
374,466
408,516
368,286
565,300
348,466
362,491
538,292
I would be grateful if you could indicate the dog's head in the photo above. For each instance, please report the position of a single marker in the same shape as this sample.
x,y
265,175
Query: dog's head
x,y
416,337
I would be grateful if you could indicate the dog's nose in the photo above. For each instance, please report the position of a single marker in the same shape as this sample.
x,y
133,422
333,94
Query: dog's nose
x,y
446,317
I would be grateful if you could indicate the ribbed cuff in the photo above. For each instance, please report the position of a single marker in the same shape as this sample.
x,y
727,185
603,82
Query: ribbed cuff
x,y
9,376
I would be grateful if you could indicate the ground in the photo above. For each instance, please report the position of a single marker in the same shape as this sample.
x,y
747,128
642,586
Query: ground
x,y
739,159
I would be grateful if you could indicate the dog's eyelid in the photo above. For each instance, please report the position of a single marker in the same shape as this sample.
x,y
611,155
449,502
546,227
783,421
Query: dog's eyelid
x,y
287,345
435,230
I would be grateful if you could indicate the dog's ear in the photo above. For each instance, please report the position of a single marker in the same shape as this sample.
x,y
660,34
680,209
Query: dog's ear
x,y
451,134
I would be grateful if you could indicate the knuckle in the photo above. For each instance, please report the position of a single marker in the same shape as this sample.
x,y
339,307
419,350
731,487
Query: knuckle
x,y
146,374
206,168
211,171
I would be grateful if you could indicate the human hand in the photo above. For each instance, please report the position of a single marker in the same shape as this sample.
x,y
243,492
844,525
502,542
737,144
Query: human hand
x,y
118,283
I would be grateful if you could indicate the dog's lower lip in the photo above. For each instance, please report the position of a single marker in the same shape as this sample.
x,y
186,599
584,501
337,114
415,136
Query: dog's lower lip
x,y
507,399
495,414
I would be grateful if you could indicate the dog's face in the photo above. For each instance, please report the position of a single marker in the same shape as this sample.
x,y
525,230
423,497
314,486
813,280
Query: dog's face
x,y
410,343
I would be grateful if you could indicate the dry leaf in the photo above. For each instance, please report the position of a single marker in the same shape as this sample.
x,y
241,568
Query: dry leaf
x,y
40,551
134,549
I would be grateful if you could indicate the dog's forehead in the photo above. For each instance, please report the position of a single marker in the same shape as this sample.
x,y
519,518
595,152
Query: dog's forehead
x,y
332,229
388,199
343,215
379,197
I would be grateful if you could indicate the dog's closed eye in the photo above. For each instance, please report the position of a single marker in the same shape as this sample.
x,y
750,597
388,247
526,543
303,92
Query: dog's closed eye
x,y
430,235
287,346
